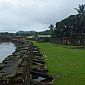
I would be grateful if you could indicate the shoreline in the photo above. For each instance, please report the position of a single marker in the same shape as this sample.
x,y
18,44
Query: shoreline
x,y
7,51
26,66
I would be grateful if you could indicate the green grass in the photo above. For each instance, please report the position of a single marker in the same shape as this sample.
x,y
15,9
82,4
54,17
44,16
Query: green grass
x,y
67,65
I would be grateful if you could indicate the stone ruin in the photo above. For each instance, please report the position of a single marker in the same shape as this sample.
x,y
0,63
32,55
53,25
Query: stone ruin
x,y
25,67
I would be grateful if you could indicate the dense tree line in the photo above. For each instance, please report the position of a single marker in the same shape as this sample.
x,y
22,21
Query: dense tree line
x,y
72,26
46,32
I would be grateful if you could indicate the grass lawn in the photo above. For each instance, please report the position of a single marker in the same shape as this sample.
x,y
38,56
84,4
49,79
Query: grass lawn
x,y
67,65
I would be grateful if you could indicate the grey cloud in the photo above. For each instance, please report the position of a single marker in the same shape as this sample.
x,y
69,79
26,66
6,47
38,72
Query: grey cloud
x,y
34,14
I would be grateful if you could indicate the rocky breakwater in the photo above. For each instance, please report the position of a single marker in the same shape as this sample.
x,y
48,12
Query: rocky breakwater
x,y
39,71
14,70
24,67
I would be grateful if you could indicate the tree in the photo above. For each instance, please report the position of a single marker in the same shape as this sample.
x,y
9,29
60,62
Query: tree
x,y
81,9
81,14
51,30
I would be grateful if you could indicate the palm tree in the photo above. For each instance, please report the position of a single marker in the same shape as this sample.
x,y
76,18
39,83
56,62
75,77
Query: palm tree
x,y
81,9
51,30
81,13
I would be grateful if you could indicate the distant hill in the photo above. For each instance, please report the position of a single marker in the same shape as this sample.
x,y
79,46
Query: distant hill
x,y
46,32
26,32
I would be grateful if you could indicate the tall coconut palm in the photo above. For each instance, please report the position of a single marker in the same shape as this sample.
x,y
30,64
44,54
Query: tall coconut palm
x,y
51,30
81,13
81,9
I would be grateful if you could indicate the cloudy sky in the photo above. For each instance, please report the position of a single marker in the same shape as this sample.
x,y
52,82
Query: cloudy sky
x,y
35,15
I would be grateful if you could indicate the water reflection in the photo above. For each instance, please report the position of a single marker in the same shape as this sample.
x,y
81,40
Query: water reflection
x,y
6,48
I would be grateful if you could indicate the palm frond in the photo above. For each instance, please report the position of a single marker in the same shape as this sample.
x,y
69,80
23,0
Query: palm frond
x,y
77,10
81,9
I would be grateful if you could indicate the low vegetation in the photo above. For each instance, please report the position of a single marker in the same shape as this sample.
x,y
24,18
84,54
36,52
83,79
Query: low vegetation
x,y
65,63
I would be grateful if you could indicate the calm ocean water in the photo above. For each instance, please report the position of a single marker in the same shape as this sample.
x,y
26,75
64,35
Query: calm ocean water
x,y
6,48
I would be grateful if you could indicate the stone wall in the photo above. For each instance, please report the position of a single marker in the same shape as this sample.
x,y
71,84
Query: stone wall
x,y
69,41
25,66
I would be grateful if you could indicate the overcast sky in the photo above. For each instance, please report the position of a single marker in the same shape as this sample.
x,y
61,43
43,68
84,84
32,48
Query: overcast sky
x,y
35,15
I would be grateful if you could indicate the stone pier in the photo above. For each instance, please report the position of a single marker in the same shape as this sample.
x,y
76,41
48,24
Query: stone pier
x,y
25,66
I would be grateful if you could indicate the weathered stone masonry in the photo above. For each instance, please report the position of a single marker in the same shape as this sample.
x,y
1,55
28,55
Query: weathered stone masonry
x,y
24,67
